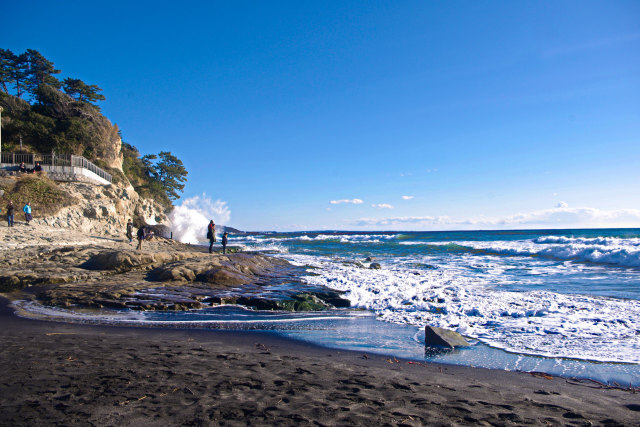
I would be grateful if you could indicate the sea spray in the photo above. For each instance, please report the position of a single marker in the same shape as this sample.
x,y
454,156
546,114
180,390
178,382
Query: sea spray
x,y
189,220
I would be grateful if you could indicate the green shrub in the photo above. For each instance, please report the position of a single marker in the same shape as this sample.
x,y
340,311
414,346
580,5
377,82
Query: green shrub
x,y
45,195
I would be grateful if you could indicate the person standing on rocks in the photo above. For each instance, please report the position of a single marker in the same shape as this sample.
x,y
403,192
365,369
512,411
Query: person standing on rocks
x,y
10,213
224,242
130,231
140,237
27,212
211,235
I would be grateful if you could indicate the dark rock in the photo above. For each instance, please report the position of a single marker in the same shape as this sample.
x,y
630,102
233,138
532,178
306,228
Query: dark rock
x,y
369,259
160,230
90,213
440,337
375,266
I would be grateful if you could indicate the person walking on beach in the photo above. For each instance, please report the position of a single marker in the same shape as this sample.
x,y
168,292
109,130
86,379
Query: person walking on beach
x,y
140,237
130,231
27,212
211,235
224,242
10,213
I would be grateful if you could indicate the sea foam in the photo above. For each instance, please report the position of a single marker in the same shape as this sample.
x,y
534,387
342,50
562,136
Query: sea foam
x,y
535,322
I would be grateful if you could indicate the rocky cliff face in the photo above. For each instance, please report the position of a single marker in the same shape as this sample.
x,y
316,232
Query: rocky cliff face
x,y
104,210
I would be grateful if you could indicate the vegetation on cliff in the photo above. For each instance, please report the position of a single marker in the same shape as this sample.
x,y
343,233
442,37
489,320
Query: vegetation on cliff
x,y
45,196
42,114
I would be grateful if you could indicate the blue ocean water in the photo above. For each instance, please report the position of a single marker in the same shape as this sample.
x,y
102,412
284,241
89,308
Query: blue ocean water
x,y
545,298
565,302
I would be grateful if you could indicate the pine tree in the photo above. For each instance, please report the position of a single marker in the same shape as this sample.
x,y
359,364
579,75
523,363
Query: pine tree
x,y
40,71
19,71
171,173
6,59
168,171
81,91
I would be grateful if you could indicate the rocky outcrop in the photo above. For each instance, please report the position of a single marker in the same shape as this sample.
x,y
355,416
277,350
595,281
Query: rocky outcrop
x,y
443,338
103,210
64,268
126,260
225,270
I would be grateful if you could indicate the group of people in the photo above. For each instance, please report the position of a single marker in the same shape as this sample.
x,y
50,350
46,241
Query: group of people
x,y
211,235
36,168
142,234
11,213
145,234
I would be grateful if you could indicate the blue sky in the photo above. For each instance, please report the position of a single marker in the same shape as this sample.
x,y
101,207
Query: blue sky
x,y
484,114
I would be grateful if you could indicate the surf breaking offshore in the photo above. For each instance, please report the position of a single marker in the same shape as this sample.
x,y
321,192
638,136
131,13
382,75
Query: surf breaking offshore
x,y
530,292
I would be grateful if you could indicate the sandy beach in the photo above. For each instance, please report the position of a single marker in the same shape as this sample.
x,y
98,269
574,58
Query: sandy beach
x,y
68,374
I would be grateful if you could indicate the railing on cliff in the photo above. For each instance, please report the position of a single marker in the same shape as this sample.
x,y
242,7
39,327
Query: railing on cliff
x,y
54,160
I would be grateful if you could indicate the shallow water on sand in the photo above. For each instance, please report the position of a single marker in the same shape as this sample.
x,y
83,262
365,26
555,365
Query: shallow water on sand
x,y
354,330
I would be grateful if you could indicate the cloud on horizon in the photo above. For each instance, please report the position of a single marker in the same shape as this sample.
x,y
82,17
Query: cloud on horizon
x,y
559,217
351,201
382,206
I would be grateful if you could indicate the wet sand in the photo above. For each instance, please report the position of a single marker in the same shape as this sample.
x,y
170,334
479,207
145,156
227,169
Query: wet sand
x,y
69,374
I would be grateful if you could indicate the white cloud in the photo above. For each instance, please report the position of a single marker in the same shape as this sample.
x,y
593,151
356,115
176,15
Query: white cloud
x,y
562,205
352,201
408,197
559,217
382,206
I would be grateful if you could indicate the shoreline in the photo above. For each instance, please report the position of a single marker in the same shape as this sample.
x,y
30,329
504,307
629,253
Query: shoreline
x,y
104,375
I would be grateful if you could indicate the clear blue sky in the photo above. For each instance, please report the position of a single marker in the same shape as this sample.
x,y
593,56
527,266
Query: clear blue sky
x,y
500,114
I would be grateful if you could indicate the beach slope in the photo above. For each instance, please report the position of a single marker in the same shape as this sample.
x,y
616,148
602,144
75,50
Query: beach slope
x,y
69,374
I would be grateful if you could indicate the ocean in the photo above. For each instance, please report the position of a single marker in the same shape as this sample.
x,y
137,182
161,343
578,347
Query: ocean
x,y
564,302
548,298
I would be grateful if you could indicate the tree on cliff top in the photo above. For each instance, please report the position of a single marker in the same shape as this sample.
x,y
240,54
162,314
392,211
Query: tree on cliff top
x,y
169,171
41,71
81,91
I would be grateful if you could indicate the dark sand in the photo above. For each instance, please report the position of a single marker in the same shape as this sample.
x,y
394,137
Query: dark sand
x,y
66,374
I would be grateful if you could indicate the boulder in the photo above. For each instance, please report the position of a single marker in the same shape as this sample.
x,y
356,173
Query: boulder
x,y
440,337
375,266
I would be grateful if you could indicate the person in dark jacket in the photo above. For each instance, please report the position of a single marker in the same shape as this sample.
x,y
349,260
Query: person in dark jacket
x,y
211,235
224,242
37,167
10,213
130,231
140,237
22,168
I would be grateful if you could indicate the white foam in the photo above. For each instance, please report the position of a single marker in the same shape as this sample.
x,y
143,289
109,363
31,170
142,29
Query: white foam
x,y
189,220
342,238
619,252
536,322
602,241
32,309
